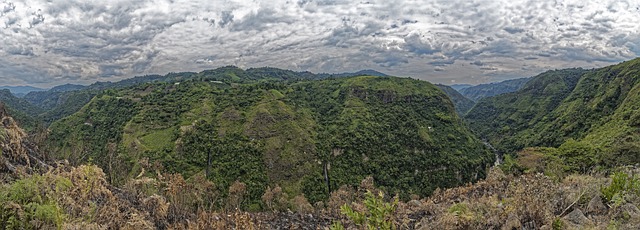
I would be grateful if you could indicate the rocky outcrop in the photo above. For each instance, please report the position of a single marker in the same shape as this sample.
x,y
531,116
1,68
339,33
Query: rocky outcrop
x,y
596,207
577,220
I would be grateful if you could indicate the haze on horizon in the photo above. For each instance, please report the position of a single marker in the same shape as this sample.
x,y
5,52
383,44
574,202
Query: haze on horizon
x,y
48,43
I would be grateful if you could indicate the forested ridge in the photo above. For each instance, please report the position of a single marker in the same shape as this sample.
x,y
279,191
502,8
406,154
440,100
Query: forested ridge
x,y
586,113
403,132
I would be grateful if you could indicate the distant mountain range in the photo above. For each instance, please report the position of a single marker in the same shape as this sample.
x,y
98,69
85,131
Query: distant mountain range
x,y
20,91
458,87
478,92
366,72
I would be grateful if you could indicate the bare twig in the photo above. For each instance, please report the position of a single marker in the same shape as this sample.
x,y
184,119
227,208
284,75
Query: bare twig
x,y
571,205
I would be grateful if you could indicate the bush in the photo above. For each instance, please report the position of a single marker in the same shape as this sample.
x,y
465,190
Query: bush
x,y
623,186
31,203
378,213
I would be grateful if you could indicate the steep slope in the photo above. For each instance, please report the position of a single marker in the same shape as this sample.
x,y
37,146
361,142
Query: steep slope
x,y
598,108
403,132
507,121
22,111
487,90
17,154
462,104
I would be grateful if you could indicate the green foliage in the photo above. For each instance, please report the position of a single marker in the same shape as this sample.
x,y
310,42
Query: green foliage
x,y
578,156
462,104
378,213
478,92
31,203
589,115
513,121
404,132
510,165
557,224
336,226
92,133
461,210
622,185
227,159
20,110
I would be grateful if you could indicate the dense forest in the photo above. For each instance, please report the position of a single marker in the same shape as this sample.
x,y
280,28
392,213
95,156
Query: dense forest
x,y
308,137
478,92
586,114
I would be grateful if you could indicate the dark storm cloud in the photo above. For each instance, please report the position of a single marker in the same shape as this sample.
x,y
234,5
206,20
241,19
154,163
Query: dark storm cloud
x,y
50,42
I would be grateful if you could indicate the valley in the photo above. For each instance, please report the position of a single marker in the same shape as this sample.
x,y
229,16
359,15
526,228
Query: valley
x,y
271,148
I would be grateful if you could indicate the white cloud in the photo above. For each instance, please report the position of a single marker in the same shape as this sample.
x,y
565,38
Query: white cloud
x,y
52,42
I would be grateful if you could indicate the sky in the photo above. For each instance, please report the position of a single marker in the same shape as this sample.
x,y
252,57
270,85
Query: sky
x,y
51,42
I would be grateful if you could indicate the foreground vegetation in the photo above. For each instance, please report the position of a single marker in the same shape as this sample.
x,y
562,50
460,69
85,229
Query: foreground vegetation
x,y
80,197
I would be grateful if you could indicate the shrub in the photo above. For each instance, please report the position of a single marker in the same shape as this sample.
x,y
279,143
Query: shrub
x,y
622,187
378,213
30,203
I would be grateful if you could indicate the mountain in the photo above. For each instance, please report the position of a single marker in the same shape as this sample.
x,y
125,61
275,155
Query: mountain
x,y
23,112
20,91
478,92
307,136
459,87
504,120
67,87
370,72
594,110
462,104
366,72
63,100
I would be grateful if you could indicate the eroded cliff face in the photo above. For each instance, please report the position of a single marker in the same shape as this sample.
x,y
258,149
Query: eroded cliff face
x,y
19,155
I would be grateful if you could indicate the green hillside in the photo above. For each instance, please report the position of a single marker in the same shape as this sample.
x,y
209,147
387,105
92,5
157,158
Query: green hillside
x,y
462,104
596,110
508,121
478,92
64,100
21,109
403,132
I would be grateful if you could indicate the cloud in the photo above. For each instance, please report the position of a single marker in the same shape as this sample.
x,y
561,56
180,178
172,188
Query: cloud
x,y
513,30
51,42
19,50
36,19
8,7
226,18
419,44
